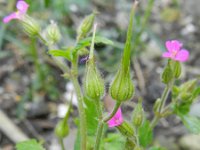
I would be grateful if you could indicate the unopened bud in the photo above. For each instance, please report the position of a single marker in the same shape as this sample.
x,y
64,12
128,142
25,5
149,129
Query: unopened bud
x,y
122,88
53,33
86,26
157,106
188,86
30,26
126,129
138,115
62,129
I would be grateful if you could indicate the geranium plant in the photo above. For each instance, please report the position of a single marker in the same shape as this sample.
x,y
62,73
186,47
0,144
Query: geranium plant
x,y
138,133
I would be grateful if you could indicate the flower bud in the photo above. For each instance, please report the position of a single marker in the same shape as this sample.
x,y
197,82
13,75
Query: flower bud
x,y
156,106
53,33
138,115
130,144
188,86
86,26
62,129
122,88
93,84
126,129
30,26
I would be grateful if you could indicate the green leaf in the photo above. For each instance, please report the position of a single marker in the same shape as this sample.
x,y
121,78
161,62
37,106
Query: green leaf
x,y
87,41
29,145
157,148
192,123
61,53
145,134
91,116
113,141
92,122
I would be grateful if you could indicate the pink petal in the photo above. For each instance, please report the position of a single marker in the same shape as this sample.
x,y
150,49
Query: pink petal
x,y
10,17
169,46
182,55
176,45
167,55
22,6
116,120
173,45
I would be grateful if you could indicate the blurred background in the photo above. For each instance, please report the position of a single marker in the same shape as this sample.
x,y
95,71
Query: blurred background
x,y
33,94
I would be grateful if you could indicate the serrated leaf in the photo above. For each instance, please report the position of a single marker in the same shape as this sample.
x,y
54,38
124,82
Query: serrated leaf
x,y
29,145
87,41
192,123
61,53
145,134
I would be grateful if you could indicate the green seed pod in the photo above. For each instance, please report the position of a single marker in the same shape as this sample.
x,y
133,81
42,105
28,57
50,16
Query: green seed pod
x,y
53,33
122,88
30,26
93,84
86,26
138,115
62,129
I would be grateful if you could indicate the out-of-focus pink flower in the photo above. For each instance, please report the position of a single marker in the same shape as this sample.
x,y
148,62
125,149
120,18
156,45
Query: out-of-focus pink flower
x,y
117,119
175,51
22,8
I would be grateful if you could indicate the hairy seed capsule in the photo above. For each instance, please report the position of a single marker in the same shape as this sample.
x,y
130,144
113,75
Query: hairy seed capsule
x,y
30,26
93,84
122,88
53,32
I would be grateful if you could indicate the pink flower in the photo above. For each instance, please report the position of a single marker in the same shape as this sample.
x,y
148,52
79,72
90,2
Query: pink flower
x,y
175,51
22,8
116,120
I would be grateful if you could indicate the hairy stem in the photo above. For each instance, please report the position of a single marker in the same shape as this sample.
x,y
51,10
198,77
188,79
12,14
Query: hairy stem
x,y
162,104
83,130
101,124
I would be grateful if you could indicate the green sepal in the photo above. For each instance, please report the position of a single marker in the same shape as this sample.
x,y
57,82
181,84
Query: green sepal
x,y
177,69
167,75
